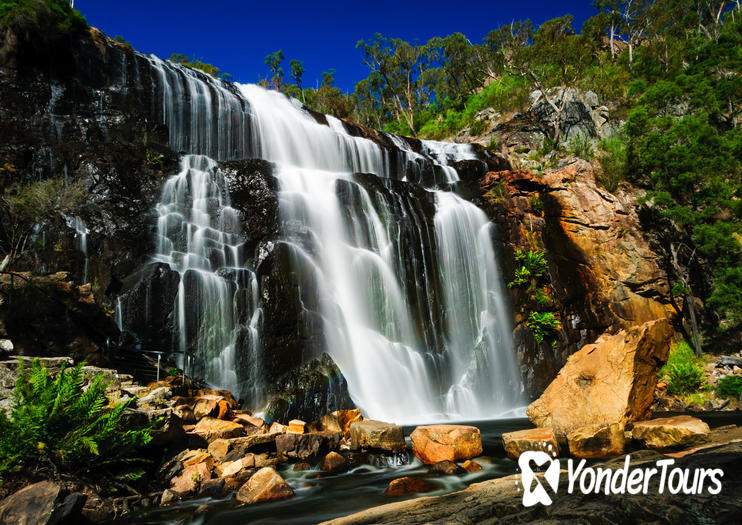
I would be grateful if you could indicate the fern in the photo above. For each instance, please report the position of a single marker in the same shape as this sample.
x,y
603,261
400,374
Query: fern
x,y
57,422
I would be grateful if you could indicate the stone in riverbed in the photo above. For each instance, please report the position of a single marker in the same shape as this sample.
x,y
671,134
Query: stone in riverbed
x,y
597,441
515,443
189,480
612,379
377,435
446,468
212,488
408,485
339,421
434,443
265,485
299,446
208,406
471,466
669,432
212,429
334,463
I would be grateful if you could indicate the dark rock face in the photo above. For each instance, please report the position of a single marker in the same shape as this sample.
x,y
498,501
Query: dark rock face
x,y
43,503
309,391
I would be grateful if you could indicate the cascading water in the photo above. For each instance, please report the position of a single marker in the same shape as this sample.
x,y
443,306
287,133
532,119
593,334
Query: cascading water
x,y
81,241
409,292
198,235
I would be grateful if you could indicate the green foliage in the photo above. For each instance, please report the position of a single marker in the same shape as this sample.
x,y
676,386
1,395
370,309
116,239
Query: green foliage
x,y
730,386
478,127
581,147
683,371
536,203
153,160
209,69
613,162
533,265
55,422
544,325
48,20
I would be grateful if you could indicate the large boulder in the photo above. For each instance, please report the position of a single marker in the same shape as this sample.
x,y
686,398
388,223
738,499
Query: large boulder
x,y
669,432
611,380
212,429
515,443
597,441
43,503
376,435
265,485
434,443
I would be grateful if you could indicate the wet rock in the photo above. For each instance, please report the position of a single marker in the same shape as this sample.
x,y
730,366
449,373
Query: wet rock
x,y
611,380
212,488
299,446
212,429
265,485
43,503
597,441
669,432
378,435
434,443
302,465
471,466
408,485
515,443
334,463
339,421
208,406
446,468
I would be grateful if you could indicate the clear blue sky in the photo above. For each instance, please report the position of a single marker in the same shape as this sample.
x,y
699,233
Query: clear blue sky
x,y
236,35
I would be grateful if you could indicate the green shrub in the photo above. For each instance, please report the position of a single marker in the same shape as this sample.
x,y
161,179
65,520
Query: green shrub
x,y
533,265
42,22
581,147
612,157
730,386
478,127
543,325
55,423
683,371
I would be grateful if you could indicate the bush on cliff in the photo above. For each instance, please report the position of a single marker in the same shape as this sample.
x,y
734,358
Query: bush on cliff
x,y
55,423
730,386
683,371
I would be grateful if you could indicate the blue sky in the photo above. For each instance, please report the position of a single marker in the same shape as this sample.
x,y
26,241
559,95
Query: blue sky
x,y
235,36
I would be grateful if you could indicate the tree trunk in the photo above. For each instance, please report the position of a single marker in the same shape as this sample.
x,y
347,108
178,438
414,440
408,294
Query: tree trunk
x,y
689,300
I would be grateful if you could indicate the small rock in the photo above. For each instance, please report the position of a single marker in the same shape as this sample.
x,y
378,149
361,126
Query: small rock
x,y
446,468
408,485
299,446
515,443
340,421
303,465
334,463
597,441
6,345
185,413
221,448
235,468
471,466
207,406
296,426
168,497
189,480
377,435
157,397
247,419
265,485
278,428
729,360
194,457
212,488
434,443
677,431
212,429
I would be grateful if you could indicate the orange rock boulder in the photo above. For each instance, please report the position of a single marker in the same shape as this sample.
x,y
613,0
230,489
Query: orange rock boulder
x,y
434,443
609,381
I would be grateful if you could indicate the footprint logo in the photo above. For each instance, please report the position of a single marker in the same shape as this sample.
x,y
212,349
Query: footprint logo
x,y
534,494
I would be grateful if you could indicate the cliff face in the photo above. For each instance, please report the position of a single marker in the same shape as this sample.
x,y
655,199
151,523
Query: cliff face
x,y
97,118
602,274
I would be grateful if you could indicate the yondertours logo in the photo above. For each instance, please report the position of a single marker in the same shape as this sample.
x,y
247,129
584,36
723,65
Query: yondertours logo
x,y
624,480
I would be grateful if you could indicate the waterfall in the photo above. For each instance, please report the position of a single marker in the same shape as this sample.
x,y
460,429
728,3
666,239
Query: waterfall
x,y
218,317
409,292
81,241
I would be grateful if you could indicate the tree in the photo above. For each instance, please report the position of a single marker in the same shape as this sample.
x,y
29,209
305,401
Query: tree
x,y
401,68
297,71
274,61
